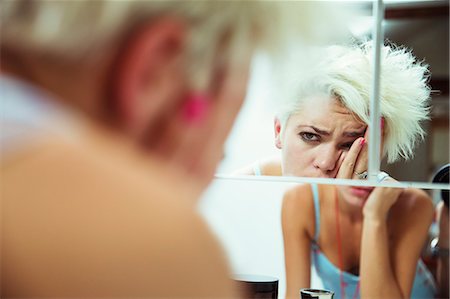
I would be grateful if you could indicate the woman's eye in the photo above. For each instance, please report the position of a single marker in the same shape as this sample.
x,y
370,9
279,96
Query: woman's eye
x,y
309,136
347,146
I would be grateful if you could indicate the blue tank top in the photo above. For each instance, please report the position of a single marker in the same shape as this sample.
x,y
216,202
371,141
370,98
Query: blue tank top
x,y
423,287
256,169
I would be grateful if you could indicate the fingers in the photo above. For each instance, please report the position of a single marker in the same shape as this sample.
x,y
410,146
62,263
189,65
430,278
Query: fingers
x,y
347,167
363,157
366,134
339,163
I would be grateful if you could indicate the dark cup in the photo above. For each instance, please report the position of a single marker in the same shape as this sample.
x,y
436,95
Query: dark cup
x,y
316,294
257,286
442,176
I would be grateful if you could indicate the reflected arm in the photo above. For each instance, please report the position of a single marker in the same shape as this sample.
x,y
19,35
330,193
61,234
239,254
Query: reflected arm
x,y
297,241
390,248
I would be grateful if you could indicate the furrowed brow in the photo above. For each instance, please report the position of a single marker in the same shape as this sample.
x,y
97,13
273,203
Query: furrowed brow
x,y
354,134
321,132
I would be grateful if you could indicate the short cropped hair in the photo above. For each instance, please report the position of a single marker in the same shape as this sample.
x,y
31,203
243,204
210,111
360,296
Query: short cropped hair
x,y
73,31
345,73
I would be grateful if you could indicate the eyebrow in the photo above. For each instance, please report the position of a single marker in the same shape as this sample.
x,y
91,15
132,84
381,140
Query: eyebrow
x,y
354,133
319,131
326,133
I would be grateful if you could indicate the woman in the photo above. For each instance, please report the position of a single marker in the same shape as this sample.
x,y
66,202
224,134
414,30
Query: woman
x,y
115,117
362,241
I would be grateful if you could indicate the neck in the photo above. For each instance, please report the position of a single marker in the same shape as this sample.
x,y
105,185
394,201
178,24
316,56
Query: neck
x,y
77,85
351,212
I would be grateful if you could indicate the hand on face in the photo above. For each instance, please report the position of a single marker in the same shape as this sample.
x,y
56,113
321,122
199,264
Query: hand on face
x,y
314,140
355,158
355,161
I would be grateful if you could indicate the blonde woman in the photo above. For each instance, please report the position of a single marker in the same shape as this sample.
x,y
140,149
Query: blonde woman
x,y
363,241
334,95
114,115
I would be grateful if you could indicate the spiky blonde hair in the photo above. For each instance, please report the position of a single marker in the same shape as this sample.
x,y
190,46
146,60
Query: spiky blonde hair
x,y
345,73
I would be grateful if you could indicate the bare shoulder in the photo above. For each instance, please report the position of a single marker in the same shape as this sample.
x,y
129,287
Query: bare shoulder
x,y
298,208
270,166
246,170
104,226
413,204
415,199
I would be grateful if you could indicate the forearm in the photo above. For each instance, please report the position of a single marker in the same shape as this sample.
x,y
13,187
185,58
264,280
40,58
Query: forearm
x,y
377,275
443,259
442,277
297,277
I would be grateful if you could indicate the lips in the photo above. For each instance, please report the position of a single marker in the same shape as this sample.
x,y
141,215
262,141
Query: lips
x,y
361,191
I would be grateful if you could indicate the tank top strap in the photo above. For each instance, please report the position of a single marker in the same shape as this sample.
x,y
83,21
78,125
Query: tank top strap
x,y
257,169
315,190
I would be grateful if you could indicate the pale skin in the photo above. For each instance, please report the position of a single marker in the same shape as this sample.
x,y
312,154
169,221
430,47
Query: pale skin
x,y
330,142
313,141
383,251
385,228
111,240
101,216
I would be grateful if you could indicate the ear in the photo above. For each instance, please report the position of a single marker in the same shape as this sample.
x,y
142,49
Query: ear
x,y
277,129
149,77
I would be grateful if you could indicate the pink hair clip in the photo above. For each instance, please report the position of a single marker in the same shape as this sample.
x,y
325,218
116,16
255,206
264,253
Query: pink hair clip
x,y
195,107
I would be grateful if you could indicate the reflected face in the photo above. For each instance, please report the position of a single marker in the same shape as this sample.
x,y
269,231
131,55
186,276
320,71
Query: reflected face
x,y
315,139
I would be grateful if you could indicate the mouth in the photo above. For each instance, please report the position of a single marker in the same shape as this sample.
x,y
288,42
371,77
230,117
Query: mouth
x,y
361,191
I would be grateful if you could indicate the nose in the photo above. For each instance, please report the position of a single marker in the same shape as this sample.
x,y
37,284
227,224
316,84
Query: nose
x,y
326,158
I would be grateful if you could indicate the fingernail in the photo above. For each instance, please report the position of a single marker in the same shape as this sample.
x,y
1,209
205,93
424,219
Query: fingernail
x,y
362,141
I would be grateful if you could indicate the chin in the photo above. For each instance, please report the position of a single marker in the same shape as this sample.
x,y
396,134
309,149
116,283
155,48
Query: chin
x,y
355,201
357,195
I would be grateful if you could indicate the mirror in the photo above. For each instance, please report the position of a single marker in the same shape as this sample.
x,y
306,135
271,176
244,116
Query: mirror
x,y
422,26
245,212
247,221
245,216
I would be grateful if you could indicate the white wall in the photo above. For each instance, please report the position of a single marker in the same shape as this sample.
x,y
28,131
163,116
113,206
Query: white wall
x,y
246,218
252,136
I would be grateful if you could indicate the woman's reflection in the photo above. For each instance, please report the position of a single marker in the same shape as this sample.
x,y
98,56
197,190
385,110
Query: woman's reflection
x,y
327,110
362,241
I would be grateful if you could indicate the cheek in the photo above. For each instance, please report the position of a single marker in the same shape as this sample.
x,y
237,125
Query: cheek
x,y
343,189
349,197
298,150
296,160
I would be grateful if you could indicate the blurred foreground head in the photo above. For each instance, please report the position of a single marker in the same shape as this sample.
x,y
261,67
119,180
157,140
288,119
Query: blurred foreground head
x,y
86,214
169,74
